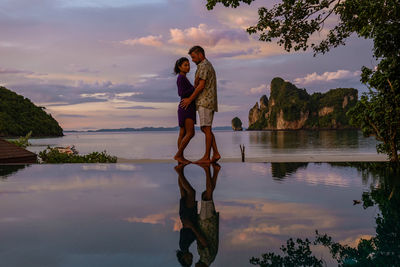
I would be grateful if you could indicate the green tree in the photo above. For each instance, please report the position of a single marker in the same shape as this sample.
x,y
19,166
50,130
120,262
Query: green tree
x,y
293,22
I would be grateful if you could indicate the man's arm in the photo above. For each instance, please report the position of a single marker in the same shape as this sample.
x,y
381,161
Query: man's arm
x,y
186,101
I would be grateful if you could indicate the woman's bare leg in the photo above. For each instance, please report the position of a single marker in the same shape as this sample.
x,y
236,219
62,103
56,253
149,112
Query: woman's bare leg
x,y
182,133
189,130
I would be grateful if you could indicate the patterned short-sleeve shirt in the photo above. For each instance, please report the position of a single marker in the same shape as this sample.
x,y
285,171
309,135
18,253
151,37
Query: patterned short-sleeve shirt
x,y
208,97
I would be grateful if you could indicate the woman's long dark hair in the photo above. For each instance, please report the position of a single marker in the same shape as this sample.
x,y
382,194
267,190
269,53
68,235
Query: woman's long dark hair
x,y
179,63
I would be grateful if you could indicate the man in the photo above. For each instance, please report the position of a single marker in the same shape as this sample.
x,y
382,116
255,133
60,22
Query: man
x,y
205,95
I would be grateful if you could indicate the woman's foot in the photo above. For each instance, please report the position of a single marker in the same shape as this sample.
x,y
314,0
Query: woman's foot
x,y
215,157
182,160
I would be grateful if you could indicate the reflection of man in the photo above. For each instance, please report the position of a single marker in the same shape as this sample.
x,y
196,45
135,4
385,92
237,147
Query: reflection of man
x,y
208,219
205,95
188,215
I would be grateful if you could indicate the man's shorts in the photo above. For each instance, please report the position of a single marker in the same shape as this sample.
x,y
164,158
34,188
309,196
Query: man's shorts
x,y
206,116
207,209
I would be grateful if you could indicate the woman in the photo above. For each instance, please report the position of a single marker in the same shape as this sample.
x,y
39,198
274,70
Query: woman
x,y
186,117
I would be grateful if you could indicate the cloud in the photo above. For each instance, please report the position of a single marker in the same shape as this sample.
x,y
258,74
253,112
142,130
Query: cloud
x,y
72,115
150,40
14,71
205,36
136,107
327,76
261,89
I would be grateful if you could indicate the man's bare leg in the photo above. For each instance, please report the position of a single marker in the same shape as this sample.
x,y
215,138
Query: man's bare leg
x,y
216,156
209,136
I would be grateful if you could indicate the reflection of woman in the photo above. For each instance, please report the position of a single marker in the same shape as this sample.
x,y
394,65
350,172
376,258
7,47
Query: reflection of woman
x,y
188,216
208,219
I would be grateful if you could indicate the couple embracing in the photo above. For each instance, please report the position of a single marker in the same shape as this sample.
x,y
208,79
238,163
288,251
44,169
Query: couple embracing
x,y
201,97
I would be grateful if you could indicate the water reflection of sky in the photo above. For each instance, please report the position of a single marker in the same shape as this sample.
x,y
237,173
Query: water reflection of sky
x,y
127,215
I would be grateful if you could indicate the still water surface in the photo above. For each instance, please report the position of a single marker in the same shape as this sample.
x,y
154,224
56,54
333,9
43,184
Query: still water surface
x,y
128,214
162,145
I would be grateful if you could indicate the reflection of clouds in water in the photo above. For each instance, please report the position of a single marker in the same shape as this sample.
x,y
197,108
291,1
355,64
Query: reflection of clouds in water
x,y
106,167
254,222
97,167
313,177
79,183
126,167
269,220
159,218
263,169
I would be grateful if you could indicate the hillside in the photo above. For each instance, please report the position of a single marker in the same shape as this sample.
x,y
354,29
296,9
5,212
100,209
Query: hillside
x,y
18,116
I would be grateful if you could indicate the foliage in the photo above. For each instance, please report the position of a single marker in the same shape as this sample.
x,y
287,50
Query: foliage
x,y
52,155
23,141
294,22
18,116
378,111
380,250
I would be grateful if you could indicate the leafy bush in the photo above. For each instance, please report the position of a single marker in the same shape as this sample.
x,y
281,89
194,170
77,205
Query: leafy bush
x,y
22,141
52,155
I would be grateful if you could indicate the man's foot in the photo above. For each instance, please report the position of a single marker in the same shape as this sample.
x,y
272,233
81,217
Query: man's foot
x,y
203,161
182,160
215,157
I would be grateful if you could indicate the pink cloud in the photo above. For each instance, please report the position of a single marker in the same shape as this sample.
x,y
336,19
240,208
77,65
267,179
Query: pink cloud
x,y
203,35
150,40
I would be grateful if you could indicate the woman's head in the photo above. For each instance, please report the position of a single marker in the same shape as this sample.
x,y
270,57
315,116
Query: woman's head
x,y
184,258
182,65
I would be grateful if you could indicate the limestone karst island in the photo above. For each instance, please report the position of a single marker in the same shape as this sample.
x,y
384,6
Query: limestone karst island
x,y
291,108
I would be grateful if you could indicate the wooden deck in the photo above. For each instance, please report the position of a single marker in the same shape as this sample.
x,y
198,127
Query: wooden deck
x,y
10,153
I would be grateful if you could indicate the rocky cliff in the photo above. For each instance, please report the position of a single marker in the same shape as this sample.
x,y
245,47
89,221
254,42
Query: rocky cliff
x,y
291,108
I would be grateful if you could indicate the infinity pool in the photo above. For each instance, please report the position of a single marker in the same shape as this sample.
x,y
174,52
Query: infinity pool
x,y
128,214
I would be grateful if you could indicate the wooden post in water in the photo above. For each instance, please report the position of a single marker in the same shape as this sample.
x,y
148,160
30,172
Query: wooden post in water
x,y
242,151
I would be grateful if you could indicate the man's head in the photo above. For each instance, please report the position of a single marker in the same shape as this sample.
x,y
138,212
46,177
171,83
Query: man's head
x,y
197,54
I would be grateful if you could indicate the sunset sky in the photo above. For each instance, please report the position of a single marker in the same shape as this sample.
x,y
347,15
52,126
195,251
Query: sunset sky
x,y
108,64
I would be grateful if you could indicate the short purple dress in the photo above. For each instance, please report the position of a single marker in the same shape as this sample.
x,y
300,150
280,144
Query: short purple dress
x,y
185,89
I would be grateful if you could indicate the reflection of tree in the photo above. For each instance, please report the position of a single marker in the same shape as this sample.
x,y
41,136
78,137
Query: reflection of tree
x,y
282,170
7,170
381,250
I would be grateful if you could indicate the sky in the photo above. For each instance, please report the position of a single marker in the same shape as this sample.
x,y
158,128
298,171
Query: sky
x,y
109,64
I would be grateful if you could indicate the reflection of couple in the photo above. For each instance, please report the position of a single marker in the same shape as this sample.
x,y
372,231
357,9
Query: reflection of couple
x,y
203,227
203,98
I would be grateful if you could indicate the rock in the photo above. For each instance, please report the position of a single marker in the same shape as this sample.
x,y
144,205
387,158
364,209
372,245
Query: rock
x,y
254,114
325,111
237,124
292,108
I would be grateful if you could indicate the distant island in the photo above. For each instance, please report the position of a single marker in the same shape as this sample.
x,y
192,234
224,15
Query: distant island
x,y
147,129
19,116
291,108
